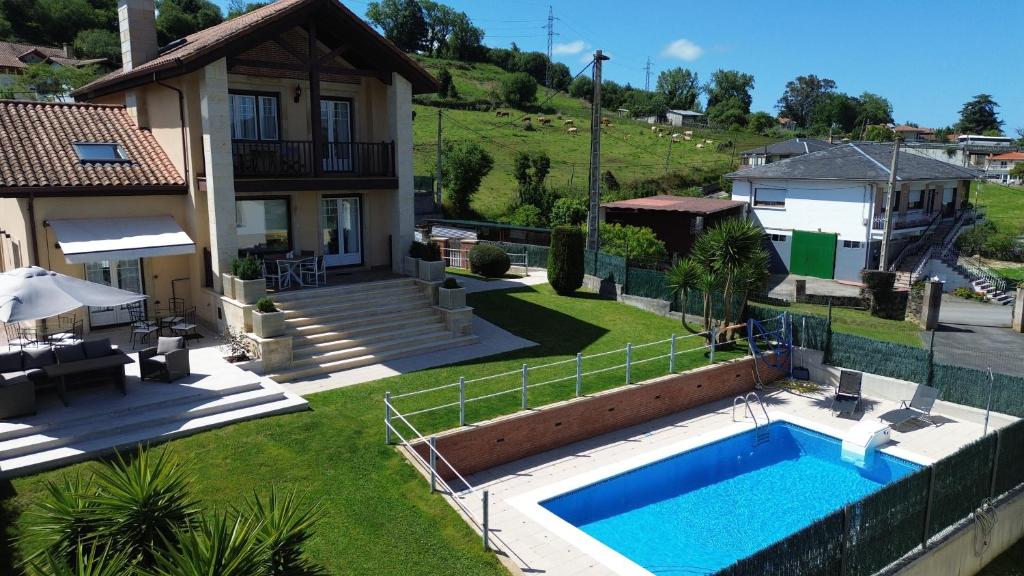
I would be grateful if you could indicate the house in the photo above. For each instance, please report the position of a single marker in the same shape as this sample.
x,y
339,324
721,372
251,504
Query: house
x,y
1000,165
824,212
678,118
284,131
15,57
909,133
675,220
781,150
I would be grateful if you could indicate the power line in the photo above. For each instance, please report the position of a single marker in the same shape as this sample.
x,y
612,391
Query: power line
x,y
551,43
647,75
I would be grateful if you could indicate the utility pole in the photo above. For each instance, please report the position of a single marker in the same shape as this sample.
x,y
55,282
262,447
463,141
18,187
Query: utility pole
x,y
647,75
551,43
887,228
437,175
595,156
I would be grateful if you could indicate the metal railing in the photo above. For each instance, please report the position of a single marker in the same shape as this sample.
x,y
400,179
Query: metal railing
x,y
291,158
914,247
456,258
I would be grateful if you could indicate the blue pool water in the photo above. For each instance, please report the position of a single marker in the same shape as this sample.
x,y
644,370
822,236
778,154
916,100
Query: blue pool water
x,y
701,510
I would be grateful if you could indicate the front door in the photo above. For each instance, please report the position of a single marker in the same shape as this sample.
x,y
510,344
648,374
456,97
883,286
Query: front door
x,y
341,229
123,274
336,123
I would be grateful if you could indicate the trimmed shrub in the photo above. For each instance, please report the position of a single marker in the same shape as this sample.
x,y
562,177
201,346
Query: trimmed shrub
x,y
489,261
565,261
265,305
248,269
431,252
877,280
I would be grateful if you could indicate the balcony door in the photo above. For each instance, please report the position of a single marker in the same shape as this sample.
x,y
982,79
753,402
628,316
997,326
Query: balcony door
x,y
336,122
341,229
123,274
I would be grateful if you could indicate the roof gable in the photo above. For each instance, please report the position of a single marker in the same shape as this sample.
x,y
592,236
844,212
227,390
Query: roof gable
x,y
789,147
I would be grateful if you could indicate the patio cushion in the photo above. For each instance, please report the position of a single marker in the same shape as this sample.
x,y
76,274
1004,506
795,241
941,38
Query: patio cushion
x,y
165,345
69,353
8,376
10,361
97,348
158,359
38,357
13,379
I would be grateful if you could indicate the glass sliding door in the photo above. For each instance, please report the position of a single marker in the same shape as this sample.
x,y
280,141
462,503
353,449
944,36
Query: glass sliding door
x,y
341,231
336,126
123,274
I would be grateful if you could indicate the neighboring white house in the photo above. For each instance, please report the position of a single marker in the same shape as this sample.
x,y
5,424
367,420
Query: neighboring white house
x,y
781,150
999,166
678,118
823,211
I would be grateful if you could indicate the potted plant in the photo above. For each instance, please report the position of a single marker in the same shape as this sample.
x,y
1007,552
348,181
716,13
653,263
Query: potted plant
x,y
412,261
249,283
267,320
431,266
227,279
451,295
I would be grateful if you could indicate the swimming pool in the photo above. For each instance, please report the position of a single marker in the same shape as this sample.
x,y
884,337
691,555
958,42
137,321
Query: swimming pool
x,y
701,510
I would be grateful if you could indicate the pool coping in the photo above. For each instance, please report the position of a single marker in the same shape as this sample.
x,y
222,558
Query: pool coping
x,y
529,503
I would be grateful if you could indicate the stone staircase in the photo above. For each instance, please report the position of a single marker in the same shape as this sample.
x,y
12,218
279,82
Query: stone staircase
x,y
339,328
935,239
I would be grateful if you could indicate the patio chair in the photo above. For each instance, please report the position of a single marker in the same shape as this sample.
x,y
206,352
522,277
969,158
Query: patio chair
x,y
70,330
188,327
917,408
174,313
314,271
141,328
166,361
278,275
17,337
848,392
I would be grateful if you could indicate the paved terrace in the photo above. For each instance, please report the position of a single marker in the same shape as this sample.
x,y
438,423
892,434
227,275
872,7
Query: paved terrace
x,y
537,550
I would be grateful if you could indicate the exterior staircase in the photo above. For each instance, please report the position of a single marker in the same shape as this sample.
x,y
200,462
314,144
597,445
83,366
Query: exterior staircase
x,y
339,328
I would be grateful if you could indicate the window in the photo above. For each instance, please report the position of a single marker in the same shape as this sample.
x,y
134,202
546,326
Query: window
x,y
254,117
100,152
263,225
915,200
778,237
770,197
851,244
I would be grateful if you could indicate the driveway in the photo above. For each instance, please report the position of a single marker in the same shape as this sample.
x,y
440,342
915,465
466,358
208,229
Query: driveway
x,y
977,335
783,286
960,311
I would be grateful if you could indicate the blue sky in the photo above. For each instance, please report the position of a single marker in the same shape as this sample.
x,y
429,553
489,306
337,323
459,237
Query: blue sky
x,y
927,57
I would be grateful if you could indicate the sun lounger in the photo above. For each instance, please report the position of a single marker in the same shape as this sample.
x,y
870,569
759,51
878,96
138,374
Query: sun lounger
x,y
847,397
917,408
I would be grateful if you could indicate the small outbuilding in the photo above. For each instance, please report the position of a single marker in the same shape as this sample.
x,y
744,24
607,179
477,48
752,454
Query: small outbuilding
x,y
675,220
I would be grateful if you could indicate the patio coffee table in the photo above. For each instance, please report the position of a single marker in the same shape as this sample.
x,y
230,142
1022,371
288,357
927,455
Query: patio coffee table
x,y
58,373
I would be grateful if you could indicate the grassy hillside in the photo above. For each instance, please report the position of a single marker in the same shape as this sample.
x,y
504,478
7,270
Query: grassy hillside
x,y
629,148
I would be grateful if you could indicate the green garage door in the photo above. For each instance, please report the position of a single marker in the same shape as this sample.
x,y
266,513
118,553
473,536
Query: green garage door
x,y
813,254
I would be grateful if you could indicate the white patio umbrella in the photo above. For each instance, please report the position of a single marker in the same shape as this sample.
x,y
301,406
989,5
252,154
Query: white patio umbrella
x,y
34,293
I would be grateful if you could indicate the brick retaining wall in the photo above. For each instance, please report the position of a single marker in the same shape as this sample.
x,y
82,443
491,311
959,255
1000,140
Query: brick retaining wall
x,y
485,445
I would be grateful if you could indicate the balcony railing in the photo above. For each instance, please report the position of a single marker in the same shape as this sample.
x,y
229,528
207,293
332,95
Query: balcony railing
x,y
910,220
295,158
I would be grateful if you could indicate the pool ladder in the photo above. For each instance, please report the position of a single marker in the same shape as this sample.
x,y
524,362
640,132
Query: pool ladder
x,y
761,433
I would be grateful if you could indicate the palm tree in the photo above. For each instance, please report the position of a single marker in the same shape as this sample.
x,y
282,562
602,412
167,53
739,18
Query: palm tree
x,y
681,278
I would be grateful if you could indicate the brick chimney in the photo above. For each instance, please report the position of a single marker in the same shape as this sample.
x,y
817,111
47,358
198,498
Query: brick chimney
x,y
136,20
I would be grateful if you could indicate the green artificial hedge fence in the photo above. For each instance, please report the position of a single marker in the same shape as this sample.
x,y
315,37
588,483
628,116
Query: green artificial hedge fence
x,y
887,524
1010,459
813,551
962,481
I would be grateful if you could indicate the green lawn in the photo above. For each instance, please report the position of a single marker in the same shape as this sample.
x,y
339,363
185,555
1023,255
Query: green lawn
x,y
380,517
467,274
629,149
861,323
1011,273
1004,205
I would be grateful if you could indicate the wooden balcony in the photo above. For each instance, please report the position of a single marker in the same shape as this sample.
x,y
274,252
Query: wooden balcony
x,y
342,164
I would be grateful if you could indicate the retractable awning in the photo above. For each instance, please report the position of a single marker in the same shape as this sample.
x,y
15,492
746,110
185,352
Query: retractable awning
x,y
93,239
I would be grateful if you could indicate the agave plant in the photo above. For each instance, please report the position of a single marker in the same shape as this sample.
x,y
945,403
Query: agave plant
x,y
219,546
91,561
59,525
140,504
285,525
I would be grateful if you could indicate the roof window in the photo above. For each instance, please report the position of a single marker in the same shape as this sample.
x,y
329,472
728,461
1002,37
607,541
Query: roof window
x,y
100,152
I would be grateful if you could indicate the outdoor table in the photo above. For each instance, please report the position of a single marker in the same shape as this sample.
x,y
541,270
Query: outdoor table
x,y
294,267
60,372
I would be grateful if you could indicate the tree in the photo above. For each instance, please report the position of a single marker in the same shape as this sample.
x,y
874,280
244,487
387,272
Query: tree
x,y
465,41
444,81
730,84
518,89
568,212
463,166
533,63
634,243
878,133
238,7
681,89
402,22
526,215
51,82
682,278
560,76
530,170
874,109
802,95
1020,135
1017,171
179,18
565,260
582,87
438,21
979,115
761,122
56,22
97,43
835,110
729,112
5,24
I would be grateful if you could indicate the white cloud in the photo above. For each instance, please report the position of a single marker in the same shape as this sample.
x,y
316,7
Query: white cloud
x,y
683,49
574,47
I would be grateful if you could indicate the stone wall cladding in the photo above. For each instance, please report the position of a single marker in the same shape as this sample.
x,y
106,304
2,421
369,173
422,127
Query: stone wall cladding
x,y
488,444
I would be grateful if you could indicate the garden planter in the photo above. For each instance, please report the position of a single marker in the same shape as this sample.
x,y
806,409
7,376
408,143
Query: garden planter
x,y
267,324
227,285
411,266
249,291
431,271
451,298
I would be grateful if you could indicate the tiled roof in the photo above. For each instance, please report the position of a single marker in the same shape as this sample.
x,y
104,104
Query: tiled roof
x,y
205,42
11,53
675,204
1008,156
36,148
791,147
856,161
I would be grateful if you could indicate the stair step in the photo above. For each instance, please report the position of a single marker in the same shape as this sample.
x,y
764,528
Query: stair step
x,y
316,333
400,331
328,302
308,294
354,315
369,359
371,348
64,455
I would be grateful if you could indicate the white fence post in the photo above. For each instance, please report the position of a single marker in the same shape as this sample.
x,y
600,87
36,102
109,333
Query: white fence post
x,y
387,417
579,373
629,362
526,378
432,443
714,337
672,356
486,522
462,400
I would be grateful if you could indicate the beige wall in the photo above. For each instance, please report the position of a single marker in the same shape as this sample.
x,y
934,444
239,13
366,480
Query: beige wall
x,y
14,221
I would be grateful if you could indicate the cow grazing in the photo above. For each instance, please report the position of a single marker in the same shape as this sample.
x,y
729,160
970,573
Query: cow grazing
x,y
501,114
544,121
572,130
700,145
688,133
569,122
